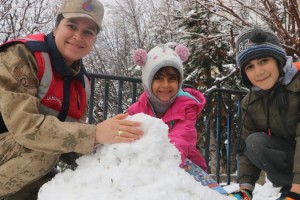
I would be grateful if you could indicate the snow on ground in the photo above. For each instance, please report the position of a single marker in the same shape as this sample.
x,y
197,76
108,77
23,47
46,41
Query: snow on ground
x,y
147,169
261,192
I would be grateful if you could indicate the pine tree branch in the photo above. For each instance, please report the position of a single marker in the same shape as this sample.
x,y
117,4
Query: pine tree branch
x,y
218,81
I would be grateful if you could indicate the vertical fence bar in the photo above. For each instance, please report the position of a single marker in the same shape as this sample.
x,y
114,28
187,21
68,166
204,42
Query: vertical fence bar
x,y
91,102
106,99
134,92
239,130
207,130
219,96
217,93
94,77
207,144
228,152
120,96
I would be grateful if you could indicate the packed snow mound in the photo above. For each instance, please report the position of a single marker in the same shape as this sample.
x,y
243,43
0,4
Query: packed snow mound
x,y
147,169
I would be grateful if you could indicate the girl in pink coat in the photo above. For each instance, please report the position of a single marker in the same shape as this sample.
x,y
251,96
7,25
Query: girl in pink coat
x,y
164,98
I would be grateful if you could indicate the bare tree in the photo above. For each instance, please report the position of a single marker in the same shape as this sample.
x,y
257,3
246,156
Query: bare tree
x,y
20,18
131,24
128,25
282,16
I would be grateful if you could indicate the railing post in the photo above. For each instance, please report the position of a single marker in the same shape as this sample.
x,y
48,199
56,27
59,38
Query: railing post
x,y
106,93
217,94
207,129
218,136
120,96
228,152
105,102
134,92
91,101
109,79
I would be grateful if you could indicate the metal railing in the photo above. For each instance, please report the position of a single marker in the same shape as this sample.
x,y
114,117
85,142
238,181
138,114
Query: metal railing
x,y
222,103
106,88
217,100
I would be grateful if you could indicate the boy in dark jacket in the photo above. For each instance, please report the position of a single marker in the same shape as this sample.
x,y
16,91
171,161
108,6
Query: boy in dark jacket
x,y
271,128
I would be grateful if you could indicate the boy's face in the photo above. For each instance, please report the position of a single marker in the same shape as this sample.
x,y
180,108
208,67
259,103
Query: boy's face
x,y
262,72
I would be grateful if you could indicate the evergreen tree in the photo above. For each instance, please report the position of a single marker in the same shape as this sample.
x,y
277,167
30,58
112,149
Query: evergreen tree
x,y
210,50
210,65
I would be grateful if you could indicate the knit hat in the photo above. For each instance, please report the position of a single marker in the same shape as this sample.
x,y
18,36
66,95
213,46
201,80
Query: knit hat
x,y
157,58
92,9
258,43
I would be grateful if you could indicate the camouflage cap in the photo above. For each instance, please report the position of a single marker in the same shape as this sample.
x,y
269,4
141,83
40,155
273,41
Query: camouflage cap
x,y
92,9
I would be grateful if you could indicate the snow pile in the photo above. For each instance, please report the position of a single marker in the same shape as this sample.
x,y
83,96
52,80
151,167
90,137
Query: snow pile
x,y
147,169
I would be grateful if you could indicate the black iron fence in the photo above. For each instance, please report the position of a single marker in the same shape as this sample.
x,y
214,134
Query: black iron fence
x,y
221,120
102,89
222,124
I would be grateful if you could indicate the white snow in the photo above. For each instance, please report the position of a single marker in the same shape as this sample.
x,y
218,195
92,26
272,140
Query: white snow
x,y
147,169
261,192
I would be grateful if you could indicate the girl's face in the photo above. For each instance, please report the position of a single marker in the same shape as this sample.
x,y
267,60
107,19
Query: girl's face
x,y
263,72
75,38
165,84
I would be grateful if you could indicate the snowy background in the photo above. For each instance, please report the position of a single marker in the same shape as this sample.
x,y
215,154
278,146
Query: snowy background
x,y
125,23
146,169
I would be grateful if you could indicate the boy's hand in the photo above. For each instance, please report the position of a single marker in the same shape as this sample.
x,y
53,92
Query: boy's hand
x,y
242,194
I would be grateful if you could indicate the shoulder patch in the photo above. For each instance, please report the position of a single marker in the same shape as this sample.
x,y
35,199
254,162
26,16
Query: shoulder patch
x,y
22,77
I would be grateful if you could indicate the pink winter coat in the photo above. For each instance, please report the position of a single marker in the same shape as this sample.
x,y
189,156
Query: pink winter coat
x,y
181,118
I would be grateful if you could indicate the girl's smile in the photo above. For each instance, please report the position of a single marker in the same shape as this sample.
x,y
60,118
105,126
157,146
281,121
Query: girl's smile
x,y
165,87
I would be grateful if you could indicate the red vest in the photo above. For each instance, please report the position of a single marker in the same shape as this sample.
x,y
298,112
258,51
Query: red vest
x,y
51,84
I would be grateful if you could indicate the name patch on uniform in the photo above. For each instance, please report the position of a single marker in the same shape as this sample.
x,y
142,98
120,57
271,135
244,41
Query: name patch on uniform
x,y
54,99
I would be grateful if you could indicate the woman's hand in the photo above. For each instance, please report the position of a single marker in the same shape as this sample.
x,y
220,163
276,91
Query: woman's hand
x,y
118,130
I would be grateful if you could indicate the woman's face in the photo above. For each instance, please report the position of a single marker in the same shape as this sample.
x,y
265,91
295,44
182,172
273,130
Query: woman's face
x,y
263,72
75,38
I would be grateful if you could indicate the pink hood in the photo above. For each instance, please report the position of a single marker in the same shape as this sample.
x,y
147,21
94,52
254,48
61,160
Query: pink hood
x,y
181,118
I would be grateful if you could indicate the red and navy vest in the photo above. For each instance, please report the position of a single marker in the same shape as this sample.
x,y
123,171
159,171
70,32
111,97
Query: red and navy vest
x,y
60,93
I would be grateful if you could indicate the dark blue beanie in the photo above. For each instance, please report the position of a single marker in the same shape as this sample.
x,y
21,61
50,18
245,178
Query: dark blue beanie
x,y
258,43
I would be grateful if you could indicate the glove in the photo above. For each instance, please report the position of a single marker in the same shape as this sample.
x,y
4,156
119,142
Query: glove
x,y
291,196
243,194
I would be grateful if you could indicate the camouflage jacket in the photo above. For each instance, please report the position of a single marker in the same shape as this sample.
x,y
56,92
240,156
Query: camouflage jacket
x,y
27,127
